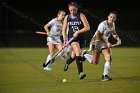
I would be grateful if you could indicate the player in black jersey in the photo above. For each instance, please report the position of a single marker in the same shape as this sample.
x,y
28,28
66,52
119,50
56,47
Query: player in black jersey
x,y
77,26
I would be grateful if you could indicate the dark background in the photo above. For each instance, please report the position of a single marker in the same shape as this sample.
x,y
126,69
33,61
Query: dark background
x,y
15,31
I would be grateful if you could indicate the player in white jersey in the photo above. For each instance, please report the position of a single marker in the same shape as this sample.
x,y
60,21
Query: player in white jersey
x,y
102,45
53,29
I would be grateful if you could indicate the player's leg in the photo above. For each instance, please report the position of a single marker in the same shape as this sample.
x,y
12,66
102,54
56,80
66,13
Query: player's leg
x,y
69,48
51,50
107,66
94,58
90,47
69,60
77,50
61,54
67,51
92,42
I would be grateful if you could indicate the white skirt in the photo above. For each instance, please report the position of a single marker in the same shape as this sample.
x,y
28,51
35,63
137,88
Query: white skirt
x,y
54,39
101,46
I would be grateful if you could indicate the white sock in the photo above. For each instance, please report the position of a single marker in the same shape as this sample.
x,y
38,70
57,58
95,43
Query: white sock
x,y
89,58
68,48
48,58
66,52
107,67
90,47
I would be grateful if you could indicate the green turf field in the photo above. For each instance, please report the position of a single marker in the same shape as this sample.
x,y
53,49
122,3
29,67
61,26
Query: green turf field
x,y
21,71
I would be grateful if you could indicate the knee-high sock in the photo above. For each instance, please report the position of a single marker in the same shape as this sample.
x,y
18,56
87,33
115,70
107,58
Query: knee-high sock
x,y
70,60
90,47
48,58
89,57
107,67
79,64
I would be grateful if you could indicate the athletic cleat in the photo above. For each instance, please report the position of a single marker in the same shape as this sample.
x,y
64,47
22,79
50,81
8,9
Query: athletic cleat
x,y
66,67
83,53
48,68
82,75
106,78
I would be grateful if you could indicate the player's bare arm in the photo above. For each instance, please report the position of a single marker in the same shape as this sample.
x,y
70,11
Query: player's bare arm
x,y
116,37
46,27
85,23
64,29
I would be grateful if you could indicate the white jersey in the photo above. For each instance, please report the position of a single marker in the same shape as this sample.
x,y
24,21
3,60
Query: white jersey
x,y
105,30
56,27
55,31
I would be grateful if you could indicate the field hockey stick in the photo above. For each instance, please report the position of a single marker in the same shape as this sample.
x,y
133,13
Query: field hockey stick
x,y
114,45
54,56
42,33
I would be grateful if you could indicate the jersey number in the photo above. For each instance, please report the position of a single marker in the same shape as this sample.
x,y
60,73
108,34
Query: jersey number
x,y
75,28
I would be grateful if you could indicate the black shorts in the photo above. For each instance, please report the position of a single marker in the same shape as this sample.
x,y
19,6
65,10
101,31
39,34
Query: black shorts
x,y
82,43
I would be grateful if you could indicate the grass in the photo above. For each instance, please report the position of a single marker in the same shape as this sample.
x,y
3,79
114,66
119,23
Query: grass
x,y
21,71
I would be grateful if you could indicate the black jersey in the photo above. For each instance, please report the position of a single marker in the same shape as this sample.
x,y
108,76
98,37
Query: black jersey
x,y
75,24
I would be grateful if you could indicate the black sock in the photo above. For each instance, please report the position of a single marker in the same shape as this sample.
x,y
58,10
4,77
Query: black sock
x,y
79,64
70,60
